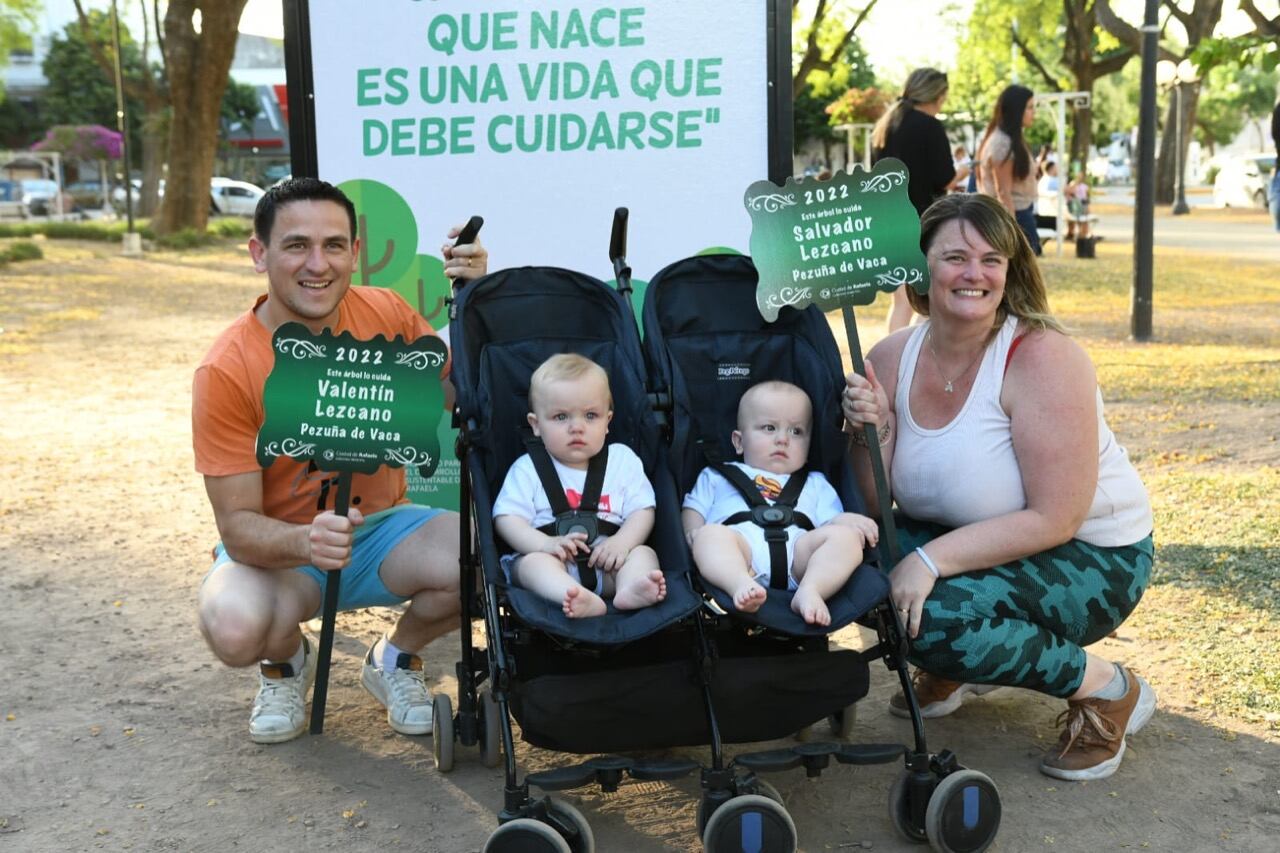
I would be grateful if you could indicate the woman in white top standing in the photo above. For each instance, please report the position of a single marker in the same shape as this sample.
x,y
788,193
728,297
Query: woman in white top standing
x,y
1027,531
1006,169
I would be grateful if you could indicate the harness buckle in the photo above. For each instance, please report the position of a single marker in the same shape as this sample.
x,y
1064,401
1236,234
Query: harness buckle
x,y
772,516
577,522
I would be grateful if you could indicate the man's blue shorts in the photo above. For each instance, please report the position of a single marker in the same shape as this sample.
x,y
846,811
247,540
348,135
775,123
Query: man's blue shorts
x,y
375,539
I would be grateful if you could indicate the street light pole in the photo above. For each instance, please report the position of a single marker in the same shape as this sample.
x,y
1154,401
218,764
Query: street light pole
x,y
1180,202
1144,208
132,242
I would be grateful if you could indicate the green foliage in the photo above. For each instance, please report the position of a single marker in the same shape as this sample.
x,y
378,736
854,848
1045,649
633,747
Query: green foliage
x,y
1248,51
1229,96
851,69
859,106
240,105
186,238
230,226
102,231
80,91
20,229
23,250
17,23
986,63
1115,102
20,122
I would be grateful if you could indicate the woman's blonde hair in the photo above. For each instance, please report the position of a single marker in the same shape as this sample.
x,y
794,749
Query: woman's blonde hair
x,y
1025,296
565,366
923,86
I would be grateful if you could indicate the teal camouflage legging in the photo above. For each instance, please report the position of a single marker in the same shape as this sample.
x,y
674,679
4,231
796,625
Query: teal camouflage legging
x,y
1024,623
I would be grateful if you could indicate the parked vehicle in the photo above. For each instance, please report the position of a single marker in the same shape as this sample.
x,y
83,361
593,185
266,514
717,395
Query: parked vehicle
x,y
85,194
38,195
1243,181
237,198
117,194
11,206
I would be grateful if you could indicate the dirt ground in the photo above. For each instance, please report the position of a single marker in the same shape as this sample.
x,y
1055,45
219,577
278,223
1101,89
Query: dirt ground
x,y
119,731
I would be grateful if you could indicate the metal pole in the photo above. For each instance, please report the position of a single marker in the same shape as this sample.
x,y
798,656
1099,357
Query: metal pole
x,y
1180,203
1062,176
1145,202
122,122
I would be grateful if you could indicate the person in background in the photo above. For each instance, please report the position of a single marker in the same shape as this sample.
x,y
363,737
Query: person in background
x,y
1005,168
1275,174
1047,195
1078,205
963,165
911,132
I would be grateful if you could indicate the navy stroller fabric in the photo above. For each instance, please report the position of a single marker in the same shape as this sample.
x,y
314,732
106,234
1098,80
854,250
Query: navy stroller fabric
x,y
503,326
706,343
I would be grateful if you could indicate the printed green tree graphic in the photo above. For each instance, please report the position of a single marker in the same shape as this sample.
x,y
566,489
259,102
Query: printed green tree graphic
x,y
387,231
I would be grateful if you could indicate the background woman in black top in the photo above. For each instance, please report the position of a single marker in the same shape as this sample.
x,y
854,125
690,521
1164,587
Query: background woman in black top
x,y
910,131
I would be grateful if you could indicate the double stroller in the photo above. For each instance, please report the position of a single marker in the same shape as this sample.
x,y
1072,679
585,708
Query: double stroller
x,y
689,671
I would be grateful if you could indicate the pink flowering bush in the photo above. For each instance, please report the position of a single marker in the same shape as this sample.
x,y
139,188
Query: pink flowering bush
x,y
82,142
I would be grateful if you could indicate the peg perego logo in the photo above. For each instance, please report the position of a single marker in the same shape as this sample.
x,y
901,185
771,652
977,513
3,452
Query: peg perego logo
x,y
733,371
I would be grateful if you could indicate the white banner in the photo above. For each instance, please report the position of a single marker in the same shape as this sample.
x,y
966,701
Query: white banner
x,y
543,117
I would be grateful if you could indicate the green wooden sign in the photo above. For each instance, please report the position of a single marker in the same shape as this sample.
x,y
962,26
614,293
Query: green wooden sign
x,y
352,405
835,243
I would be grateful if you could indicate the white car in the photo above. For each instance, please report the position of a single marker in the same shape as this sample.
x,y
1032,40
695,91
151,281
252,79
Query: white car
x,y
1243,181
236,198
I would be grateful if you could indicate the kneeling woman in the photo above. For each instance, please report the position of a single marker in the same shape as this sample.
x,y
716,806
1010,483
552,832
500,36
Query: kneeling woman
x,y
1027,532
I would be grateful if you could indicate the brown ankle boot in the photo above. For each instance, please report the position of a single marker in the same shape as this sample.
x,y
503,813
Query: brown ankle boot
x,y
937,696
1092,741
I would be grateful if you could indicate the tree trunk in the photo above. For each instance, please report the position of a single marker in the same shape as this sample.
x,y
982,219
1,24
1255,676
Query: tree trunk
x,y
197,64
1081,139
1167,162
153,147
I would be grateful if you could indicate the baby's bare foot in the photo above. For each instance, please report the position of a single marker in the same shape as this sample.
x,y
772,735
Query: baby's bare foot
x,y
749,597
580,602
811,607
649,589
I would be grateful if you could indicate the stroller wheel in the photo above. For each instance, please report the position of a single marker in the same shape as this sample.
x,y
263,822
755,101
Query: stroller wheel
x,y
765,789
750,822
525,835
900,811
844,721
964,813
572,826
491,730
442,732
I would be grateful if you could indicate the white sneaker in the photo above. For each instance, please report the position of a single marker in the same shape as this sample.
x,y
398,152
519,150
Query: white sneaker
x,y
280,709
402,691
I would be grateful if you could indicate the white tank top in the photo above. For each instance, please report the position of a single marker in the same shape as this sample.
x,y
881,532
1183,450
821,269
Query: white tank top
x,y
966,471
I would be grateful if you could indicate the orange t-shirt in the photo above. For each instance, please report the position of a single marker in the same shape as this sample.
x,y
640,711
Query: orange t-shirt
x,y
227,410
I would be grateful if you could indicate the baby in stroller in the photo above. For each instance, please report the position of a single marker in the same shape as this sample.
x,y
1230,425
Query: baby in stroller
x,y
555,551
819,544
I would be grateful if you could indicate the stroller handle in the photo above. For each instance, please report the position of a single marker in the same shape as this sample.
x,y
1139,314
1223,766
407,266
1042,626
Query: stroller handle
x,y
618,249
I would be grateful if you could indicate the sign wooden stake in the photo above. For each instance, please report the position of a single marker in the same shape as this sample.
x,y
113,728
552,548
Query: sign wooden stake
x,y
332,586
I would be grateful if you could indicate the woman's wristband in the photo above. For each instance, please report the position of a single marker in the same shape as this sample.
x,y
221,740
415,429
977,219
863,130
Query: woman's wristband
x,y
928,563
859,435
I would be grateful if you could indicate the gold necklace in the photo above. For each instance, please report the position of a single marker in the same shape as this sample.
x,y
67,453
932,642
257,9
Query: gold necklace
x,y
949,385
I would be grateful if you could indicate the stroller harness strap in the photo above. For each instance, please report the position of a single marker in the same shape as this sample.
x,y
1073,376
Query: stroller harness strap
x,y
583,519
774,517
